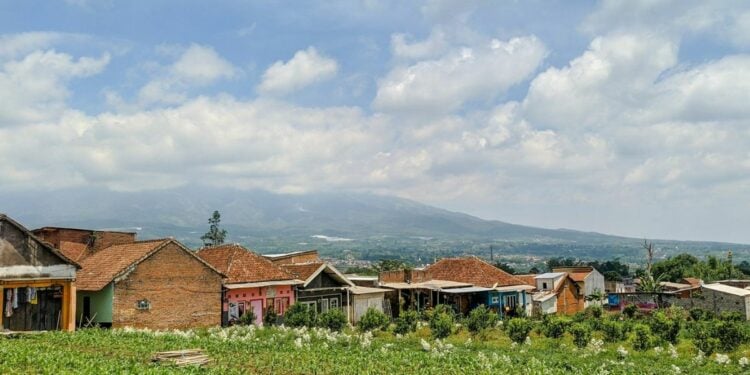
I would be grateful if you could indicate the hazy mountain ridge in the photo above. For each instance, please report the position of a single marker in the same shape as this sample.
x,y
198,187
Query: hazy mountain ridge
x,y
270,221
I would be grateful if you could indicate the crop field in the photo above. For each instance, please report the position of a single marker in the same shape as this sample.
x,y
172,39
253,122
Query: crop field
x,y
281,350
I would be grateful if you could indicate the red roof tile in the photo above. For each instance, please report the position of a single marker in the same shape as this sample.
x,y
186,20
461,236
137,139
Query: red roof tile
x,y
528,279
102,267
302,271
242,265
472,270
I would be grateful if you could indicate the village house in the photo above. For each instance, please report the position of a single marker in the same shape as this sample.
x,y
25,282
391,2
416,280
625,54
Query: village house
x,y
37,282
157,284
253,283
490,285
590,282
414,289
557,292
719,298
323,287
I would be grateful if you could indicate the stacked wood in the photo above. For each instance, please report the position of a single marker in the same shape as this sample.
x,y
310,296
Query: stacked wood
x,y
187,357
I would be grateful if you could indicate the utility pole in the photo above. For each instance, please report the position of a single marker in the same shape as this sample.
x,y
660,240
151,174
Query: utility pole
x,y
492,254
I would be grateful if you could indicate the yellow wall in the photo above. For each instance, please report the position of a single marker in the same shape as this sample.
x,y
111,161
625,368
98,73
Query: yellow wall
x,y
68,320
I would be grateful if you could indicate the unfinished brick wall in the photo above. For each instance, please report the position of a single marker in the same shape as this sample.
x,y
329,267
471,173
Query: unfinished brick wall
x,y
306,257
182,291
98,239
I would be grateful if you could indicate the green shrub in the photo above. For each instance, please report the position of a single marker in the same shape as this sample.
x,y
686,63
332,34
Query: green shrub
x,y
518,329
703,339
581,334
732,316
270,318
373,319
406,322
630,311
299,315
579,317
333,319
480,319
247,318
642,339
731,334
614,331
666,328
698,314
442,321
554,327
594,311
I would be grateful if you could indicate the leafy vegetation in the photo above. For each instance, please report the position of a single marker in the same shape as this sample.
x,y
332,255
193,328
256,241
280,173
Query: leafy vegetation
x,y
373,319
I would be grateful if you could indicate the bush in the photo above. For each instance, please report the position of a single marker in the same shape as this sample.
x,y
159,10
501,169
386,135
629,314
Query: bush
x,y
333,319
594,311
554,327
630,311
270,318
441,321
703,337
581,334
666,329
248,318
614,331
579,317
480,319
299,315
518,329
730,335
642,339
698,314
732,316
372,320
406,322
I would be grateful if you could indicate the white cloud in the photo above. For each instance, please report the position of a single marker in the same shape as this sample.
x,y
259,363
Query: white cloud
x,y
444,84
34,88
196,66
305,68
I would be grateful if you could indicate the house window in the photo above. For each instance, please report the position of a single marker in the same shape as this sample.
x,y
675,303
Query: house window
x,y
334,303
143,304
510,301
312,306
544,286
495,300
324,305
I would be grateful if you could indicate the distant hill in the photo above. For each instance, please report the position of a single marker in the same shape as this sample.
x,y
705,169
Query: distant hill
x,y
360,223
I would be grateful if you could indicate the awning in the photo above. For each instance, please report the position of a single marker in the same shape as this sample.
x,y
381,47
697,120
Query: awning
x,y
261,284
514,288
365,290
471,289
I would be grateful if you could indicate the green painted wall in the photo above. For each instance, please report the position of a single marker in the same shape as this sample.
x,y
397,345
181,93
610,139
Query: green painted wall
x,y
101,304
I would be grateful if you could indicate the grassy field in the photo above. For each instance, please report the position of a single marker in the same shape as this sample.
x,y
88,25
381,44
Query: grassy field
x,y
318,351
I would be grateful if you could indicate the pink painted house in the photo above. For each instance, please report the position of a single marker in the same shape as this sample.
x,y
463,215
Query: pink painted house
x,y
253,282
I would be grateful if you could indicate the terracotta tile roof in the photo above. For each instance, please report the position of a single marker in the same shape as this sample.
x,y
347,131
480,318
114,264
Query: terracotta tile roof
x,y
472,270
302,271
578,276
242,265
102,267
528,279
73,250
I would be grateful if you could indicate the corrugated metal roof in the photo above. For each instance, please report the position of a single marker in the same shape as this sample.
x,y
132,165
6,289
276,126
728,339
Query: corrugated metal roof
x,y
550,275
727,289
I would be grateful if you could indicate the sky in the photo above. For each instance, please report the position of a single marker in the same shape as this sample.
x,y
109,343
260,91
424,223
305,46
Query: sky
x,y
623,117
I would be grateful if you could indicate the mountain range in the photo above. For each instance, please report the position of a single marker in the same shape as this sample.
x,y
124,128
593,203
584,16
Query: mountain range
x,y
353,224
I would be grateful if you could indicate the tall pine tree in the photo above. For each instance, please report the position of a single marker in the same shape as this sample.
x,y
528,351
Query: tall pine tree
x,y
215,235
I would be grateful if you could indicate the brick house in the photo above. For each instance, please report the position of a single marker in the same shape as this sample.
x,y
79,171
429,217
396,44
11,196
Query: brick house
x,y
491,286
157,284
37,282
590,282
557,292
253,283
